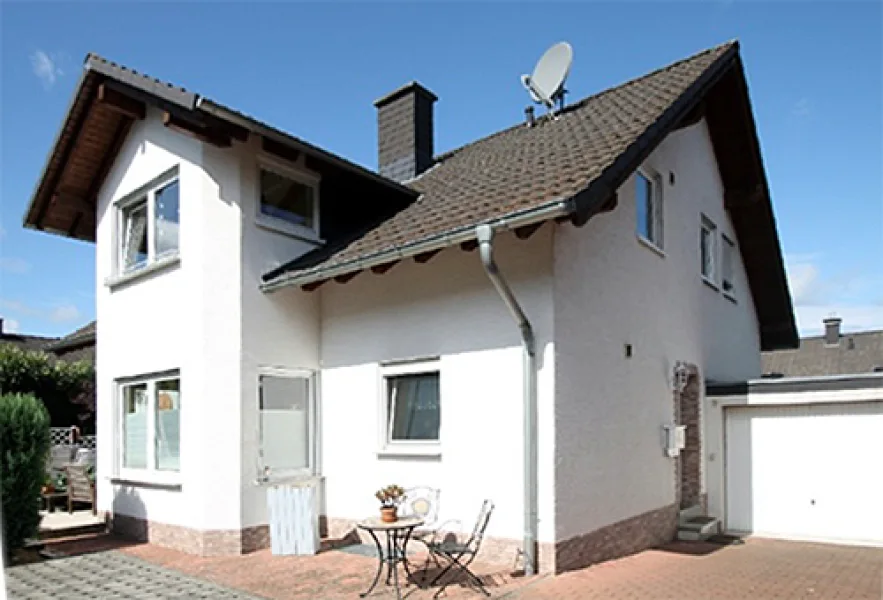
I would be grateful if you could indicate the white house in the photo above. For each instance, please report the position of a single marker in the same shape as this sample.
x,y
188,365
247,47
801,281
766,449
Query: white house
x,y
267,310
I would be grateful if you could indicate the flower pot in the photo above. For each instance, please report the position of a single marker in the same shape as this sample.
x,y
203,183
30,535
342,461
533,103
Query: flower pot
x,y
388,514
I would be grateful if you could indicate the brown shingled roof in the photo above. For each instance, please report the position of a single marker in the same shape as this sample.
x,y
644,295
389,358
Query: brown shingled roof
x,y
524,167
582,158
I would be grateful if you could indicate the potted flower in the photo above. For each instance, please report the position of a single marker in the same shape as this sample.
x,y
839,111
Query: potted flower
x,y
390,497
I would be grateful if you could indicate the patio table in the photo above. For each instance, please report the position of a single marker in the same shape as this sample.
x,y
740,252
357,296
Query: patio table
x,y
397,535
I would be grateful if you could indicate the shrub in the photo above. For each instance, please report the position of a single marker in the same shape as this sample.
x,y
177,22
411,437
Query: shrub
x,y
24,446
66,388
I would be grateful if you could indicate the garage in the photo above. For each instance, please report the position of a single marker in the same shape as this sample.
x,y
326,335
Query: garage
x,y
804,470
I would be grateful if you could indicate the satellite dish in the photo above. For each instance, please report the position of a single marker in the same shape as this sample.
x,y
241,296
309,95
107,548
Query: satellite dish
x,y
546,85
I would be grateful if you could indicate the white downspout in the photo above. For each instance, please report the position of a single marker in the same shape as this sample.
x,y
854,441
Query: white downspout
x,y
485,236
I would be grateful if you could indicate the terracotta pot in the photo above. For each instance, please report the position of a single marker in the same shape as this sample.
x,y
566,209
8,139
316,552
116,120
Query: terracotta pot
x,y
388,514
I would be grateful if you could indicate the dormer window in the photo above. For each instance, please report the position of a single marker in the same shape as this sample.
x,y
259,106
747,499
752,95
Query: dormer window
x,y
289,201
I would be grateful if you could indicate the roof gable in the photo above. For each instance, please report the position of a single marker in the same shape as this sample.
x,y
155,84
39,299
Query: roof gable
x,y
579,161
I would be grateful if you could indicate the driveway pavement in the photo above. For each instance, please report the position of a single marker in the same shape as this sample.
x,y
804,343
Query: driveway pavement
x,y
108,575
757,570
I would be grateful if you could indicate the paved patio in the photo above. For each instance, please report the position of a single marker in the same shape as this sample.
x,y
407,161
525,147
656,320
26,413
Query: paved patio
x,y
758,569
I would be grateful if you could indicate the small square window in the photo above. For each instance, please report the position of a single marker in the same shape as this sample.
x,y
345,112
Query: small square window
x,y
707,246
412,403
728,259
648,204
288,199
411,407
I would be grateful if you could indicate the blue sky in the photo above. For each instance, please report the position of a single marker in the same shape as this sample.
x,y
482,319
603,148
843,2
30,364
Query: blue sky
x,y
814,69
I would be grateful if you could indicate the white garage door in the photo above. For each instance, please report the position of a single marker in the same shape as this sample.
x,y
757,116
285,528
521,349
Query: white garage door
x,y
812,472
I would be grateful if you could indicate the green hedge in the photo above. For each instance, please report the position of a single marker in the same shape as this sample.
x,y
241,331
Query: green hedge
x,y
66,388
24,446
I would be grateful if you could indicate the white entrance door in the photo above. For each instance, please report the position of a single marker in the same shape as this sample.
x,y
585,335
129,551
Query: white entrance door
x,y
810,472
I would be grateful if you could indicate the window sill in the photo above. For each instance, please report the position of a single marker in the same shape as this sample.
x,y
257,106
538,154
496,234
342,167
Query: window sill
x,y
710,283
300,232
147,482
650,245
404,451
163,264
729,296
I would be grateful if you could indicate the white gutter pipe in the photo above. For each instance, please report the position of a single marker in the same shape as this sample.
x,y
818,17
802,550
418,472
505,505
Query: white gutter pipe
x,y
551,210
485,236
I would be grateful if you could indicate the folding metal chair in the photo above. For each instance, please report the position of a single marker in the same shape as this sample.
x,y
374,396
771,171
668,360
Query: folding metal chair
x,y
460,555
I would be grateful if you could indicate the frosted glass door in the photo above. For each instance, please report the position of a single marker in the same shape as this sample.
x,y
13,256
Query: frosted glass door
x,y
286,414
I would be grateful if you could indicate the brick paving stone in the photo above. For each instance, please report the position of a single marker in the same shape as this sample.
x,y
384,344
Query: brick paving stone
x,y
758,570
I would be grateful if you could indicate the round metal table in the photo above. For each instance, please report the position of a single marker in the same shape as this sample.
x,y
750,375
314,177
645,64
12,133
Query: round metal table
x,y
397,535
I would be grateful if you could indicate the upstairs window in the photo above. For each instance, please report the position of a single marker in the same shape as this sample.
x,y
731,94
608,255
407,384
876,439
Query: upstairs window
x,y
289,201
149,225
707,250
728,261
648,199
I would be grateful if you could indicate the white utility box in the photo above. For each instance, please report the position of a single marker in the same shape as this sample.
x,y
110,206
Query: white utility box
x,y
675,439
293,513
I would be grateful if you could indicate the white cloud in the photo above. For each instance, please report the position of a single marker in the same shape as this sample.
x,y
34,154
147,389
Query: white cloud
x,y
64,312
11,264
46,68
816,295
802,108
18,307
11,326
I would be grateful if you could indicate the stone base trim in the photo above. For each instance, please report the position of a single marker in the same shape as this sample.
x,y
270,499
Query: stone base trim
x,y
215,542
617,540
504,552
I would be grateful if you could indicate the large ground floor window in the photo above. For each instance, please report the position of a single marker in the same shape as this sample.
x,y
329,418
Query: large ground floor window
x,y
150,423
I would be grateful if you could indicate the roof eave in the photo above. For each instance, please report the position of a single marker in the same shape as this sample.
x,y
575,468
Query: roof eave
x,y
550,210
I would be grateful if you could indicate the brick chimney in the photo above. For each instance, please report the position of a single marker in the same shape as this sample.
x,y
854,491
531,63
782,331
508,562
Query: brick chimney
x,y
404,132
832,330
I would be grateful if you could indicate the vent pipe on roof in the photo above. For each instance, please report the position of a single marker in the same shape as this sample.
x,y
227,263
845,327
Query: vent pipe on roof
x,y
485,236
404,132
832,330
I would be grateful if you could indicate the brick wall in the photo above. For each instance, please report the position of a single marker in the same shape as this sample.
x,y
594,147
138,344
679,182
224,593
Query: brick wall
x,y
690,461
404,132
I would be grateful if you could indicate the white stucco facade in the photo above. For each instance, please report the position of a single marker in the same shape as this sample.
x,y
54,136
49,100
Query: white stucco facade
x,y
611,290
588,292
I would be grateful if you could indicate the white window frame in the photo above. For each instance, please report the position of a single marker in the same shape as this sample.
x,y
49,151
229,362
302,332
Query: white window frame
x,y
150,474
728,258
312,450
657,239
146,193
708,225
300,175
386,446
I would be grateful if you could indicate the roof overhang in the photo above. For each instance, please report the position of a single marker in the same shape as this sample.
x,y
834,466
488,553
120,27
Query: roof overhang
x,y
107,101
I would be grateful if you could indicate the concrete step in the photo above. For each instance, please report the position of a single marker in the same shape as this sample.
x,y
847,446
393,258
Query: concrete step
x,y
698,528
690,513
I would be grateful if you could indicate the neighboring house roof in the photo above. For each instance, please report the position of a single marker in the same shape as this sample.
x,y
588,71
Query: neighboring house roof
x,y
578,161
569,168
26,342
79,345
82,337
856,353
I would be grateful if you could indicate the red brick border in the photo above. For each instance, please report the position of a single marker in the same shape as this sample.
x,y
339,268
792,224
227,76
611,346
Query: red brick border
x,y
620,539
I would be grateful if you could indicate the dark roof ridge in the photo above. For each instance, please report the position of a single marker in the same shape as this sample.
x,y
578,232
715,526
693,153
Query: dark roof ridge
x,y
582,101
